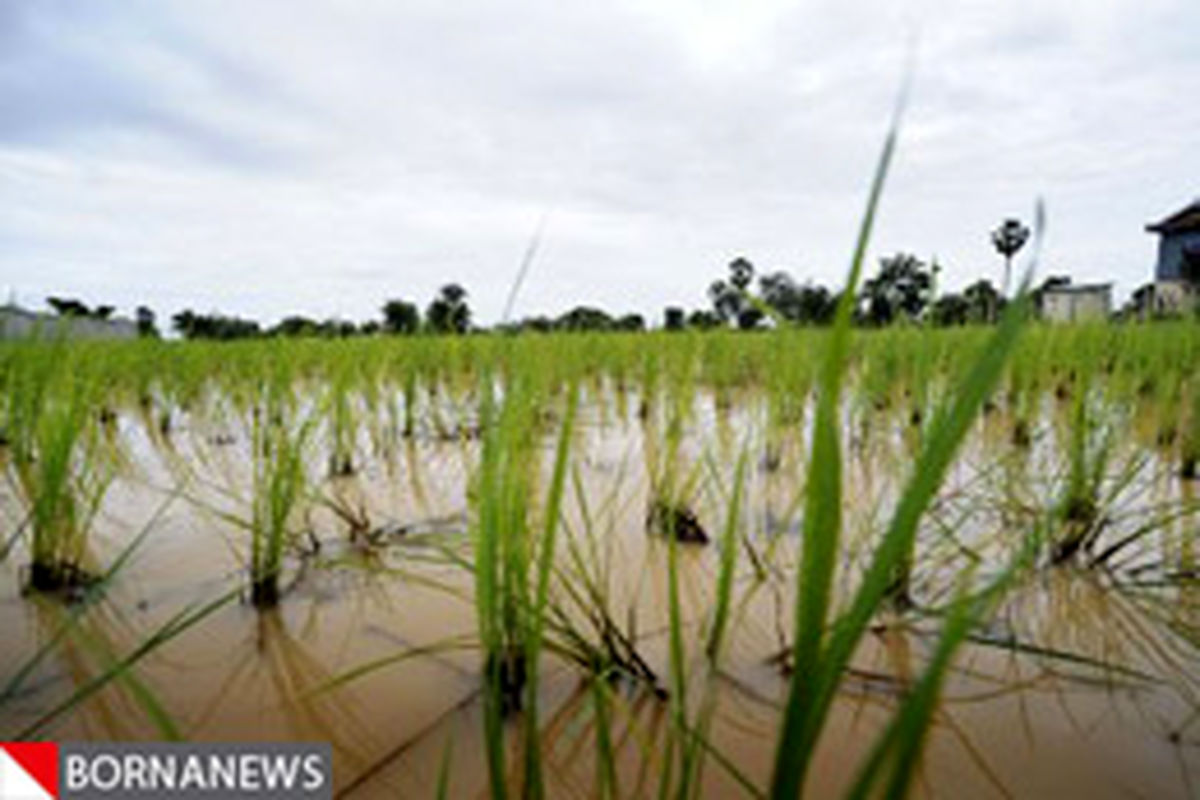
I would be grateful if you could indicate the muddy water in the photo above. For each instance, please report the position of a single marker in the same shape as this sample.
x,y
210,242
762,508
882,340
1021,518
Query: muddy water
x,y
1085,684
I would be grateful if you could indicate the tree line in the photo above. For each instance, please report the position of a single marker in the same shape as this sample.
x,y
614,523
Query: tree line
x,y
903,289
448,312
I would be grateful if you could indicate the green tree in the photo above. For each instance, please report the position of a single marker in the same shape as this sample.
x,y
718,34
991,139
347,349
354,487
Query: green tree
x,y
401,317
703,319
184,323
984,302
725,300
449,312
900,290
949,309
146,327
741,273
68,307
806,304
630,322
213,326
584,318
729,298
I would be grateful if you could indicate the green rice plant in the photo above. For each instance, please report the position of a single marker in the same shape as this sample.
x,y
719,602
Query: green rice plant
x,y
607,785
672,481
728,564
443,784
512,568
59,464
818,659
280,485
341,418
689,731
816,674
584,626
1089,450
1189,446
822,523
677,662
544,562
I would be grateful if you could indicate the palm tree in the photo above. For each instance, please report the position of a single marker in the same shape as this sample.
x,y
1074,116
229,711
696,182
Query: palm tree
x,y
1008,239
741,272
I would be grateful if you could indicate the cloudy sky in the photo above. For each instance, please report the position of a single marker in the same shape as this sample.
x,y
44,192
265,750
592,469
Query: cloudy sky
x,y
261,157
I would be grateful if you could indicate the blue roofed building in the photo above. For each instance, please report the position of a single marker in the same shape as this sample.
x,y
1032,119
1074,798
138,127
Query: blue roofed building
x,y
1177,273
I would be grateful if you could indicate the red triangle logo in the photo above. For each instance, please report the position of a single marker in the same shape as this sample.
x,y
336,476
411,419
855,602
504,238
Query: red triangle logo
x,y
39,760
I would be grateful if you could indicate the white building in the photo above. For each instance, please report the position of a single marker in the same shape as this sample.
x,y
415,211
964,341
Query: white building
x,y
1079,302
19,323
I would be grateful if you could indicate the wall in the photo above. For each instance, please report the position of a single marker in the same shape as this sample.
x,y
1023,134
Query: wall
x,y
1170,254
21,324
1077,306
1173,297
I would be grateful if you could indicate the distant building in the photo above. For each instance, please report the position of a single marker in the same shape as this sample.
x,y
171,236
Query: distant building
x,y
1176,284
1076,302
19,323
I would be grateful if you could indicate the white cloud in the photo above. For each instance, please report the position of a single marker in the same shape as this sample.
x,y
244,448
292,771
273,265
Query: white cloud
x,y
320,157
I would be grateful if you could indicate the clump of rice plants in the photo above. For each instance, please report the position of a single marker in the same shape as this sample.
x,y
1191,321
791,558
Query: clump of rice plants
x,y
669,513
513,562
342,427
58,460
281,482
1089,449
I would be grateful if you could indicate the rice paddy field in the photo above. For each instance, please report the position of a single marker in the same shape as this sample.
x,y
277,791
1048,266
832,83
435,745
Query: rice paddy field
x,y
944,563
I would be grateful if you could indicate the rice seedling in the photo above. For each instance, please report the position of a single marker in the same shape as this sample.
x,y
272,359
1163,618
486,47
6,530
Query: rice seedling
x,y
818,663
280,440
584,623
512,566
1189,446
1089,450
341,420
59,466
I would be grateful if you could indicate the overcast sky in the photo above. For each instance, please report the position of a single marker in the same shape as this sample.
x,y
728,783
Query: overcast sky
x,y
264,157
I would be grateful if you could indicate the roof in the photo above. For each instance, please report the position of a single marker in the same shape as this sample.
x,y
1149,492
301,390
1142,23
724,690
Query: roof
x,y
1079,288
1186,219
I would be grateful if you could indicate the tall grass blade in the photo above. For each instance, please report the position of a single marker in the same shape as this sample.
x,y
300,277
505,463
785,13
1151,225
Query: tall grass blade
x,y
729,547
822,517
522,271
443,784
533,765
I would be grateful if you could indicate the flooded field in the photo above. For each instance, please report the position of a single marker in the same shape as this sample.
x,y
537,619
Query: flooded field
x,y
583,564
